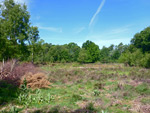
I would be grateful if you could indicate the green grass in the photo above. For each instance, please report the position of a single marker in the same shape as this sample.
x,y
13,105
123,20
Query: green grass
x,y
74,87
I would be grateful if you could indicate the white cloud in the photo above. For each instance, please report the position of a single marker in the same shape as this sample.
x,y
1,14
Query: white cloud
x,y
112,36
106,40
37,17
52,29
123,29
97,12
79,30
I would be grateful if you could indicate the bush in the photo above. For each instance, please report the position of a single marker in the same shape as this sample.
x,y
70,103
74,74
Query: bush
x,y
146,61
12,71
83,56
132,59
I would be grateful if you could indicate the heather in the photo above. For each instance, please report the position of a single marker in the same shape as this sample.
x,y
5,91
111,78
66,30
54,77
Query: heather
x,y
95,74
83,88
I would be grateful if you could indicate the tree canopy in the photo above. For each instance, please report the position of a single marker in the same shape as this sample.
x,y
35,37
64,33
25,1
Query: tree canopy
x,y
142,40
92,50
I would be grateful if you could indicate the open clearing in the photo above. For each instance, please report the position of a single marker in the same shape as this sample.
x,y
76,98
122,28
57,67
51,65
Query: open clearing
x,y
88,88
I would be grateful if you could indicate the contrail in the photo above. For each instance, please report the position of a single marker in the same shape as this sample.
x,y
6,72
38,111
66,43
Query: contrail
x,y
97,12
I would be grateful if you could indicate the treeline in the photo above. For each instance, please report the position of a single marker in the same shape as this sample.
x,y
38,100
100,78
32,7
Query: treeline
x,y
20,40
138,52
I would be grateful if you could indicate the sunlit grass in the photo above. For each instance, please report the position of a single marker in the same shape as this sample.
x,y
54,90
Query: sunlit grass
x,y
75,86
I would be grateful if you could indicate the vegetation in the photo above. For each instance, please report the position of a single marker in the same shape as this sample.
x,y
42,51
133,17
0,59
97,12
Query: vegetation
x,y
68,78
82,88
21,41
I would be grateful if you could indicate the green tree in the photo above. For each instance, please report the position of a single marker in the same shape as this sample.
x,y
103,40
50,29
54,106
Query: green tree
x,y
33,37
142,40
83,56
117,51
146,60
45,51
59,53
92,50
132,59
14,20
74,50
105,54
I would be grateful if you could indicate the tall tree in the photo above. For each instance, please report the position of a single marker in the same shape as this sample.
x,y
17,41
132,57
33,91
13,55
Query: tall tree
x,y
15,24
74,50
142,40
92,50
33,37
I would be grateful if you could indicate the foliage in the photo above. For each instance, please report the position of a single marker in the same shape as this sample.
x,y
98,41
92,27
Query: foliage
x,y
143,89
132,59
83,56
146,60
15,24
59,53
73,88
8,92
142,40
96,92
15,31
137,58
74,50
30,98
12,71
27,97
112,53
92,51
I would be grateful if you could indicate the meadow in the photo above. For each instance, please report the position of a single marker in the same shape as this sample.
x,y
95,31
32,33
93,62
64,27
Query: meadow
x,y
54,76
82,88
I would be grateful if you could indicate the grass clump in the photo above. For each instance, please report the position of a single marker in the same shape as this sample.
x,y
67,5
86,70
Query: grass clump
x,y
86,88
143,89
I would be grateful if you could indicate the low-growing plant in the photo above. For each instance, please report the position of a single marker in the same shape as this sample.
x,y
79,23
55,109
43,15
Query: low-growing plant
x,y
14,110
91,107
27,98
96,92
145,100
76,97
104,111
143,89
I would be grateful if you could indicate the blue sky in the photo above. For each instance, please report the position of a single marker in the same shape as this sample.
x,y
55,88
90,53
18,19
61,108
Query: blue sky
x,y
104,22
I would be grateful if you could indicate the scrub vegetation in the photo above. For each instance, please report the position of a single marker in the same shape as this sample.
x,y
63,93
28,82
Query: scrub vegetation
x,y
39,77
81,88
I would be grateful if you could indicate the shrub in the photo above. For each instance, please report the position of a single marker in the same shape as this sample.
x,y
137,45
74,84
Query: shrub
x,y
83,56
12,71
146,61
132,59
143,89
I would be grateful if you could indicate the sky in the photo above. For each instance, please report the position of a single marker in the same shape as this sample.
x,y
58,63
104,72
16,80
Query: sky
x,y
104,22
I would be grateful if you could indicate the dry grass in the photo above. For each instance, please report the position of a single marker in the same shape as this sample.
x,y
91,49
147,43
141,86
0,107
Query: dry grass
x,y
34,81
12,71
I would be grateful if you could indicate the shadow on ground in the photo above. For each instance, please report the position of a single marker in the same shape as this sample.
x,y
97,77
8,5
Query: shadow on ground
x,y
8,93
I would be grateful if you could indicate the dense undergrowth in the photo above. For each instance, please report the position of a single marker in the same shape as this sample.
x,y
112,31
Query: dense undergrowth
x,y
85,88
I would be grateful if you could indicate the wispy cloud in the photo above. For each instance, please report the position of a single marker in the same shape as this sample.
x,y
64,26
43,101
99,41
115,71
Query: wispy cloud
x,y
79,30
22,1
113,36
37,17
97,12
120,30
52,29
106,40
